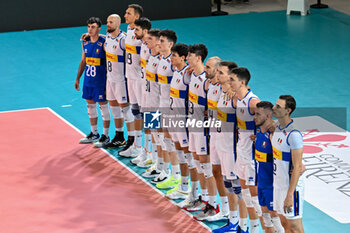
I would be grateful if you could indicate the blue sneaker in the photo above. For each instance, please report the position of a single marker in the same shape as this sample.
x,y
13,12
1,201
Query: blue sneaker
x,y
229,227
239,230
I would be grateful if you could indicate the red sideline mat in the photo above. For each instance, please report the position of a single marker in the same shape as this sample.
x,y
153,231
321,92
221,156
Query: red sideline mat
x,y
50,183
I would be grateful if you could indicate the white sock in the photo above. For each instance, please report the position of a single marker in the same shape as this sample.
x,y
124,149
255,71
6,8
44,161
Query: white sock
x,y
212,201
176,171
154,153
131,133
254,225
205,195
277,224
138,138
166,167
120,130
94,129
194,189
184,183
243,223
105,131
148,142
224,205
234,217
160,163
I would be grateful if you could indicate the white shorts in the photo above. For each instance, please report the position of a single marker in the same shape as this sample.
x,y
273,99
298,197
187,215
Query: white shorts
x,y
227,164
135,91
214,154
181,137
117,91
144,94
164,96
198,143
279,195
152,101
245,170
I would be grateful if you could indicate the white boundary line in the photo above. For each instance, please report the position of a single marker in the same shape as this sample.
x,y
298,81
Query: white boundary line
x,y
22,110
129,169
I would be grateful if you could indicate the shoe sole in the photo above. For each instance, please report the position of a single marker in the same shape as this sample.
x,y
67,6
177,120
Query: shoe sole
x,y
168,187
150,176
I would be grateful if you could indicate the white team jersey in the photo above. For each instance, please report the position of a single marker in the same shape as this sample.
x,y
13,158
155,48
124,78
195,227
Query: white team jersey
x,y
179,90
165,74
115,55
245,120
145,53
133,58
226,113
213,96
282,155
152,86
197,96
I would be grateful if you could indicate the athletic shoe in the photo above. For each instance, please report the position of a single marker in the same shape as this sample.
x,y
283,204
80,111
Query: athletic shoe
x,y
163,176
104,140
196,205
209,211
168,184
177,194
151,172
90,138
186,202
131,152
146,163
218,217
129,143
117,141
229,227
140,158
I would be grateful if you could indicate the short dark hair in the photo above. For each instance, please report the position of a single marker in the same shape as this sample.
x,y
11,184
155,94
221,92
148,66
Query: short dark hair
x,y
154,32
290,102
265,105
180,49
94,20
144,23
137,9
169,34
229,64
199,49
242,74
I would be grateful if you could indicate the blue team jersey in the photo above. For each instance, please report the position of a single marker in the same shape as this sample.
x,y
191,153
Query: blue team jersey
x,y
95,69
264,157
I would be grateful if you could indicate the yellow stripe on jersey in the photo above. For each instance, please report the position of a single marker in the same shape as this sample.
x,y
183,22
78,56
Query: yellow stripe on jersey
x,y
174,92
130,49
143,63
241,124
260,156
193,97
222,116
163,79
212,104
280,155
150,76
93,61
111,57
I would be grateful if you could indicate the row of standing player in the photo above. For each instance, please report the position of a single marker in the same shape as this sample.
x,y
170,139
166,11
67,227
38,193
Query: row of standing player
x,y
164,86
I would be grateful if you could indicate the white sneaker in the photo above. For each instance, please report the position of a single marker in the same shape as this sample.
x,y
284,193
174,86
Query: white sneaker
x,y
140,158
178,194
163,176
132,151
104,140
146,163
187,201
151,172
217,217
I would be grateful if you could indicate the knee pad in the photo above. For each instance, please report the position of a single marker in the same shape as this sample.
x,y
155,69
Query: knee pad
x,y
181,157
127,114
161,140
169,145
105,112
228,185
156,138
207,169
198,166
267,220
135,109
247,198
92,112
255,201
190,161
116,113
237,188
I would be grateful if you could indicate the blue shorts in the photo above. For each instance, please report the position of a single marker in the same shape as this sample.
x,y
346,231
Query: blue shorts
x,y
96,94
265,196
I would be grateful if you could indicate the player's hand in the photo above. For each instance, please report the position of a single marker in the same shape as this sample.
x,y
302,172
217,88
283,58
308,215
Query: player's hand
x,y
206,114
288,203
252,137
230,95
189,71
84,36
76,85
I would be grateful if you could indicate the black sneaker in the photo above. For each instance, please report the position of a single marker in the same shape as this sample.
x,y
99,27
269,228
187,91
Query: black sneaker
x,y
117,141
104,140
90,138
129,143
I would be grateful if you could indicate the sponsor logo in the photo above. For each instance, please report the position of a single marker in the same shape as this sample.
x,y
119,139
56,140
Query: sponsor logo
x,y
202,149
151,120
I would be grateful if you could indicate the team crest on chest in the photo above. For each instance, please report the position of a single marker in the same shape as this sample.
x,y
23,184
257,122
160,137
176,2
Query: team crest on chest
x,y
279,140
196,85
114,47
242,110
97,51
165,67
99,43
264,144
177,80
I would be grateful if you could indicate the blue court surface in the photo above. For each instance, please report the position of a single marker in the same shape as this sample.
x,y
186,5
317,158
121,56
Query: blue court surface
x,y
307,57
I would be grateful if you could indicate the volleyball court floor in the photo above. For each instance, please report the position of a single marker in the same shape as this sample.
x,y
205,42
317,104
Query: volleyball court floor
x,y
50,183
